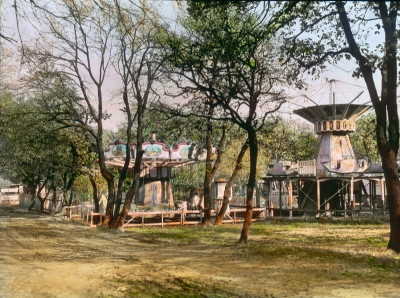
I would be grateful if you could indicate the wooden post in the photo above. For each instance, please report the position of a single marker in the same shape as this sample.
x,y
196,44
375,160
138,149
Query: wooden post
x,y
352,190
269,200
290,188
373,197
280,197
345,201
318,196
234,215
182,217
383,194
162,218
352,195
370,197
258,195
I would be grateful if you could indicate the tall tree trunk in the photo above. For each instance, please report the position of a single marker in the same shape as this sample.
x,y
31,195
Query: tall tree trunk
x,y
42,201
208,178
389,165
67,187
108,218
53,201
136,173
118,197
211,169
32,191
229,184
125,168
131,192
253,145
385,107
71,196
107,175
39,195
95,193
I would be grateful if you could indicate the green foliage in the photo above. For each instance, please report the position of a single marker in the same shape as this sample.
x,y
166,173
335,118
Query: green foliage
x,y
289,140
364,138
225,58
83,189
34,147
279,140
173,127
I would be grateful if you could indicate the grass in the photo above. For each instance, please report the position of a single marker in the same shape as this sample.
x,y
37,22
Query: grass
x,y
311,232
331,251
173,287
190,235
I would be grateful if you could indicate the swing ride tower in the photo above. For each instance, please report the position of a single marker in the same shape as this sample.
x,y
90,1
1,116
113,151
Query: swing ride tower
x,y
335,181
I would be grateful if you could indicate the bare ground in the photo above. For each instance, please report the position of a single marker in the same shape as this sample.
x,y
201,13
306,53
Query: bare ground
x,y
43,256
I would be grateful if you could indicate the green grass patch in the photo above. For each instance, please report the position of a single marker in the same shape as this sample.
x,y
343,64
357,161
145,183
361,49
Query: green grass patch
x,y
351,274
175,287
376,242
383,264
214,235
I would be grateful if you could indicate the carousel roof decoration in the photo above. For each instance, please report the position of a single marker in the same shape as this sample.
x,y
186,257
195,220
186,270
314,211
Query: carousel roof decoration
x,y
156,154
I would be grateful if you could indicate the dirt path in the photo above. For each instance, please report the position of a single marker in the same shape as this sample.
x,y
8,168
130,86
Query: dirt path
x,y
44,256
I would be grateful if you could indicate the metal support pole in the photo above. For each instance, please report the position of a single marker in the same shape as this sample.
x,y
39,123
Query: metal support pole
x,y
351,196
258,196
346,196
383,194
318,196
290,188
370,197
352,191
280,197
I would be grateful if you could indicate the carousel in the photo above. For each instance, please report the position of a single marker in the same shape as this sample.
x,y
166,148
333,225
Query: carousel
x,y
157,168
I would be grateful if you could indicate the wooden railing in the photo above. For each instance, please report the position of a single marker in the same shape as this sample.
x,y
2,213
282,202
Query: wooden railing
x,y
307,167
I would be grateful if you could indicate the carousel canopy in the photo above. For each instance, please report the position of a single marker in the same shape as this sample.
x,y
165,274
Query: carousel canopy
x,y
156,154
332,112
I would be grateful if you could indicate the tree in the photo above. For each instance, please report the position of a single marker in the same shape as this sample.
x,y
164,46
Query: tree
x,y
138,65
76,42
342,30
230,182
364,143
226,55
289,140
196,124
37,151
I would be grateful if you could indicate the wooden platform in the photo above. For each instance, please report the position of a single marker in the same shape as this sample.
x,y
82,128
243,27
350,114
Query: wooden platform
x,y
184,217
158,218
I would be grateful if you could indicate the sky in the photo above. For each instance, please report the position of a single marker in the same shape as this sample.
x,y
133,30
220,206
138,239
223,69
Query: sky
x,y
345,88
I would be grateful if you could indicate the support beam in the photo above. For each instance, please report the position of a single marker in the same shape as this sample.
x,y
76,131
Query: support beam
x,y
318,195
383,194
290,189
352,203
280,197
